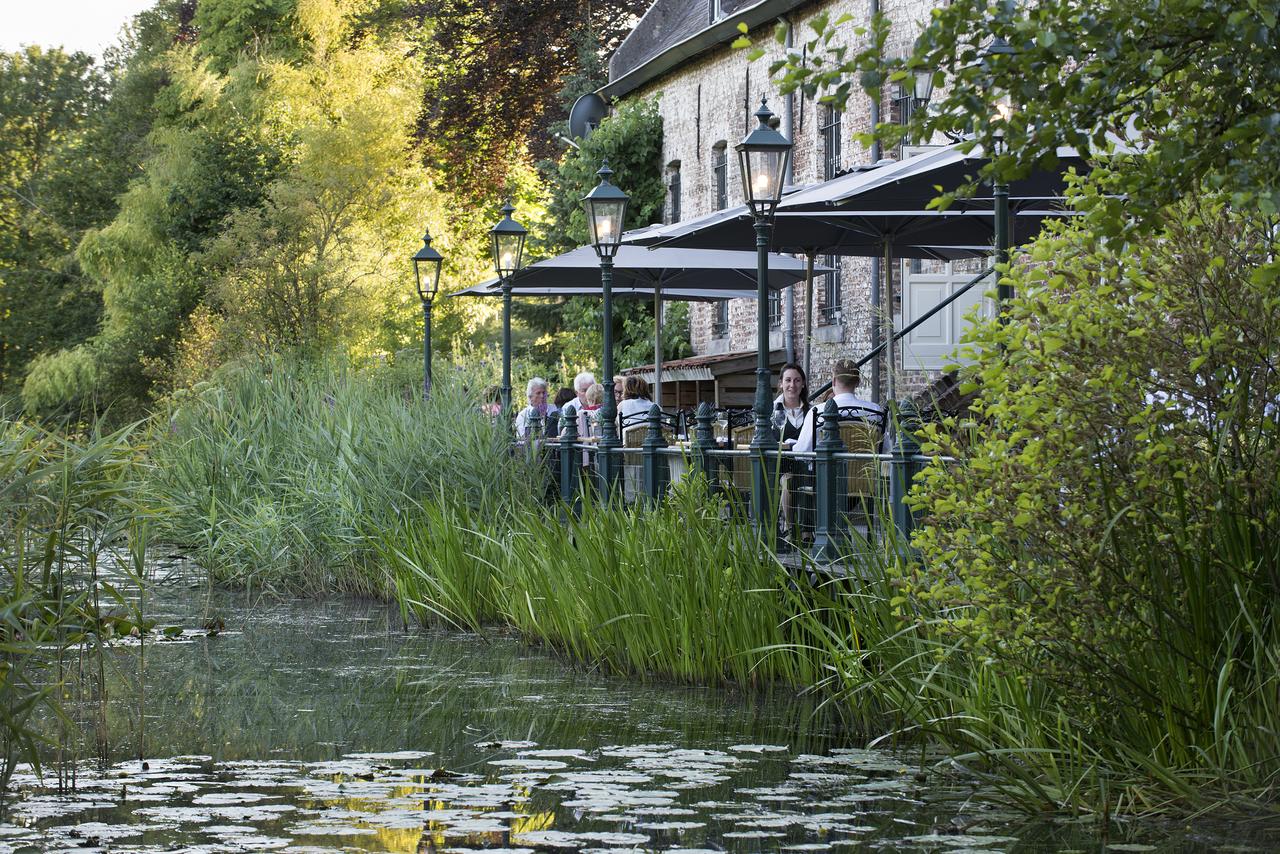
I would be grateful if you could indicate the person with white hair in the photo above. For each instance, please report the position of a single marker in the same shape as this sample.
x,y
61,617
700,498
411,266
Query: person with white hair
x,y
582,383
536,411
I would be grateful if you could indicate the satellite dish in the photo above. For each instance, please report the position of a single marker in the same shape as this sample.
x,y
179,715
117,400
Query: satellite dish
x,y
586,115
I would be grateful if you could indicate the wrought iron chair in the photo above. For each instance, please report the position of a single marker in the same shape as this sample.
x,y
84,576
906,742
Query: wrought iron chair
x,y
861,432
634,429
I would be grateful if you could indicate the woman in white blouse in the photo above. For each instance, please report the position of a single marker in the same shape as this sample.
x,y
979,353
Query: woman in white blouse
x,y
793,399
789,410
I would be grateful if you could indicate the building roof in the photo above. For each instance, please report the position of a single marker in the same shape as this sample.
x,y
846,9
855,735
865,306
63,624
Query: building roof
x,y
706,367
674,31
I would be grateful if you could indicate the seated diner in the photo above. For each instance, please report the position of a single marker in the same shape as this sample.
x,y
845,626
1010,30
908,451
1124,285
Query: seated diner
x,y
537,410
635,405
845,378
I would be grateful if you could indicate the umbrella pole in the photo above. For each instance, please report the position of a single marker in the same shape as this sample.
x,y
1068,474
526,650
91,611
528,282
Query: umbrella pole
x,y
657,346
888,319
877,306
808,309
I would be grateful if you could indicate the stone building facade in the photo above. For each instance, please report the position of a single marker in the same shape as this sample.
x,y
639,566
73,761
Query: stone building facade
x,y
679,54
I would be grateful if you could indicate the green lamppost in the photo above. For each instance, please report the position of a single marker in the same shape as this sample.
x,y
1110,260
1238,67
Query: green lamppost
x,y
1000,195
508,248
606,208
763,156
994,54
426,275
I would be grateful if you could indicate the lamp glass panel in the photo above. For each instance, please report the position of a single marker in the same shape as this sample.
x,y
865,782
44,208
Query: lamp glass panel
x,y
604,217
923,85
507,249
762,175
1004,106
430,270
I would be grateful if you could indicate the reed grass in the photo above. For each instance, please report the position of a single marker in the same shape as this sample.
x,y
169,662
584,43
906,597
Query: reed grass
x,y
278,474
325,478
671,590
66,503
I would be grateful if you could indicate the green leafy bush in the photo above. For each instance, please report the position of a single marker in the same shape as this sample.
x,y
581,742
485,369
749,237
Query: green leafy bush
x,y
1108,536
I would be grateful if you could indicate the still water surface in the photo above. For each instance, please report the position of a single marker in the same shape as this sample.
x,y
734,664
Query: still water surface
x,y
323,726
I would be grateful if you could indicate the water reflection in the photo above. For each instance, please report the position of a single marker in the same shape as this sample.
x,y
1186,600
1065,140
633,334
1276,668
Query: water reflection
x,y
324,727
315,681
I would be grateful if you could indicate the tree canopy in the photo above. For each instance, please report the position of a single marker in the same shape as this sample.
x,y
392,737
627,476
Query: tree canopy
x,y
50,192
251,176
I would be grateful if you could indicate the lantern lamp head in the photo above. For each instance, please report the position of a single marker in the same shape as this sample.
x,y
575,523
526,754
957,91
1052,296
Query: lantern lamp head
x,y
606,209
763,157
507,243
922,85
426,269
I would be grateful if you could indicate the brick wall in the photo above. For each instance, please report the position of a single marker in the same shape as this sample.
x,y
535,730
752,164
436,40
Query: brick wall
x,y
709,100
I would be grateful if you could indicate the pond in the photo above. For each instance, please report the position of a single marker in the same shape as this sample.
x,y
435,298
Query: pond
x,y
324,726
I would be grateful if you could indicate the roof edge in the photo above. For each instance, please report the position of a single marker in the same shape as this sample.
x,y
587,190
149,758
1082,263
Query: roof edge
x,y
712,36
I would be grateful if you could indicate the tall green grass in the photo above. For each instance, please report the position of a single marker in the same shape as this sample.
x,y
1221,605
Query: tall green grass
x,y
280,474
323,478
66,507
672,590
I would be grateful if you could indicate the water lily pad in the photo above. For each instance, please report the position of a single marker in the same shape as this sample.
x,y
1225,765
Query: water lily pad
x,y
575,753
468,826
759,748
393,756
663,811
220,798
324,829
670,825
530,764
181,815
250,842
753,834
103,832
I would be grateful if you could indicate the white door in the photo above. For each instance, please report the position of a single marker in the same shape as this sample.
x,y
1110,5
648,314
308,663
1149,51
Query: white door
x,y
931,346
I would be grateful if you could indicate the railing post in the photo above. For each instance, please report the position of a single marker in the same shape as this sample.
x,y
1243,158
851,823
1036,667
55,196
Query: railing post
x,y
655,465
903,467
569,462
704,440
764,497
826,484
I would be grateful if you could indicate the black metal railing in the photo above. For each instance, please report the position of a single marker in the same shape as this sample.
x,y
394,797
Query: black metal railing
x,y
844,491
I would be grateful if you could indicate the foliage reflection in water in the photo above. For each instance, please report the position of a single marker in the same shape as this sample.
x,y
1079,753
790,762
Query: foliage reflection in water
x,y
324,727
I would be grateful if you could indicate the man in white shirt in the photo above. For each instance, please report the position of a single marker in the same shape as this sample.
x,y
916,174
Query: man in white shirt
x,y
845,378
536,393
581,384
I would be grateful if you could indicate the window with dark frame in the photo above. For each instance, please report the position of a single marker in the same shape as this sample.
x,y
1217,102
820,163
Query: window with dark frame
x,y
830,130
673,192
720,320
829,308
775,309
720,169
